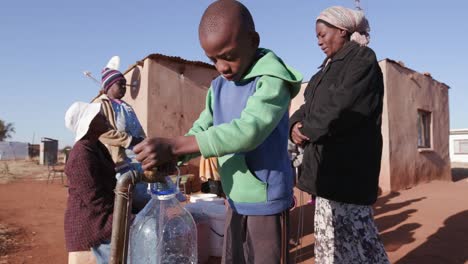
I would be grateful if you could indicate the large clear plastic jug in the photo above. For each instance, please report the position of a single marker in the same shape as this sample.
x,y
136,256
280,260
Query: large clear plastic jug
x,y
163,232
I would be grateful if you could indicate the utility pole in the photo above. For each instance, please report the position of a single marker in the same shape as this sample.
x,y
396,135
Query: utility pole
x,y
90,76
357,3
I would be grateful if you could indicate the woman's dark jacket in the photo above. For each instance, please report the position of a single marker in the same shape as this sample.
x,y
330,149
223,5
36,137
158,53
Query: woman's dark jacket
x,y
342,117
91,183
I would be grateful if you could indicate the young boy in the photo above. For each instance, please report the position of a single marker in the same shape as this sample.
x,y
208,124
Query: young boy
x,y
245,125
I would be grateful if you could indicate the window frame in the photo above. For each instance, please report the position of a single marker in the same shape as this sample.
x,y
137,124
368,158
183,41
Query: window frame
x,y
425,136
455,149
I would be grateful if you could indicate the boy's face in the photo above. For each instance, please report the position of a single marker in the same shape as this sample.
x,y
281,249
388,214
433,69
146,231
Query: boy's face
x,y
232,52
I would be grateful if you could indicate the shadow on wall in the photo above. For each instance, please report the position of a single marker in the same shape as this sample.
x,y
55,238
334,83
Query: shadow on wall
x,y
435,159
447,245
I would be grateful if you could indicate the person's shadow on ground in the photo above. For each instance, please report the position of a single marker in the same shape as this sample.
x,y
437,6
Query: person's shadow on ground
x,y
402,235
392,239
449,245
300,252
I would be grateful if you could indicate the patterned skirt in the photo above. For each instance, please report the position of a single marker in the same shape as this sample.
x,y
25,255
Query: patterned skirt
x,y
346,233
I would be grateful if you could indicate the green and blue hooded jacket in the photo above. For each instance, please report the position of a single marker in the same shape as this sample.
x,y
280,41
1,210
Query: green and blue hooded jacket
x,y
245,125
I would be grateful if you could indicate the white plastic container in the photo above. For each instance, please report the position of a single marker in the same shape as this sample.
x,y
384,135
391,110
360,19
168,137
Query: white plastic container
x,y
206,197
203,230
216,217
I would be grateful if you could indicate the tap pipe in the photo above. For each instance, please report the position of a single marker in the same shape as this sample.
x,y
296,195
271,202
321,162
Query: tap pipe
x,y
123,209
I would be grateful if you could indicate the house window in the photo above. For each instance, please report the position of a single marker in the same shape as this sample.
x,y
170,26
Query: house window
x,y
424,129
460,146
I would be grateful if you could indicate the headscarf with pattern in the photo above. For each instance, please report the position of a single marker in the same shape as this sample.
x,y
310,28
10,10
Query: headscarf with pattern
x,y
350,20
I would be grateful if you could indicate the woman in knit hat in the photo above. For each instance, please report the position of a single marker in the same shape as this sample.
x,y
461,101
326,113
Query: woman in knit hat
x,y
339,128
126,130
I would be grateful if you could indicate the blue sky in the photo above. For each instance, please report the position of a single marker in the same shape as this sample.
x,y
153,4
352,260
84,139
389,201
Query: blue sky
x,y
46,45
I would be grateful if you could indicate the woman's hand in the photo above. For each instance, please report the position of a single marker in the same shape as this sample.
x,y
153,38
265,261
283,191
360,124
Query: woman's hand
x,y
297,136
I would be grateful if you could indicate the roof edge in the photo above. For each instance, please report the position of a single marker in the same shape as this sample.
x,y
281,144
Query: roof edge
x,y
461,131
402,65
159,56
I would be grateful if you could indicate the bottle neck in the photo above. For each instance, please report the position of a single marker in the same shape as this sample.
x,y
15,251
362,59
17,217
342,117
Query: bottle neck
x,y
163,190
163,196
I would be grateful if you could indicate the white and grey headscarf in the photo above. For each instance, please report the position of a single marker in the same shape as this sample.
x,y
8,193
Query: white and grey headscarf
x,y
350,20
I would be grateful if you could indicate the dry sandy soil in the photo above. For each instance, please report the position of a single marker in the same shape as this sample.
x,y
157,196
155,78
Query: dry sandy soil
x,y
425,224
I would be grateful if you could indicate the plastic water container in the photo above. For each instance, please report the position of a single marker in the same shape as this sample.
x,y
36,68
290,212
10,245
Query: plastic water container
x,y
216,214
163,232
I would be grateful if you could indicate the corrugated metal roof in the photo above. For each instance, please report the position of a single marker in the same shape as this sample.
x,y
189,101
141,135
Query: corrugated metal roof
x,y
158,56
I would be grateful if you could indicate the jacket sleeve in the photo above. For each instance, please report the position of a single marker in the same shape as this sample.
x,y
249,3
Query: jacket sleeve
x,y
300,113
116,138
298,116
263,111
357,85
113,137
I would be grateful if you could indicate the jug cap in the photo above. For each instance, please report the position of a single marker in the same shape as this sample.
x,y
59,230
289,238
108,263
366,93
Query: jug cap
x,y
163,188
167,186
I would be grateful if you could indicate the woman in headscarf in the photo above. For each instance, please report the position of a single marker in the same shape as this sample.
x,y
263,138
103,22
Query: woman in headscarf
x,y
91,176
339,129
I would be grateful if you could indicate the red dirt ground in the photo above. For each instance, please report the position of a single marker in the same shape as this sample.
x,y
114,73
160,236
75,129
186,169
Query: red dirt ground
x,y
425,224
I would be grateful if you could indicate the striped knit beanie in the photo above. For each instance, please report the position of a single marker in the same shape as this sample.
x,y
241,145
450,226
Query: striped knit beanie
x,y
109,77
353,21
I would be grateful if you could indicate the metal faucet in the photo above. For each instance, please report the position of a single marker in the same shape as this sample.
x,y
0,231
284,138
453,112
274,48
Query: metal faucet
x,y
123,209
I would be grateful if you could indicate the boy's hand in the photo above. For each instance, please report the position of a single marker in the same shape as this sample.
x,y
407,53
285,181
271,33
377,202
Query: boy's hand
x,y
153,152
297,135
168,168
135,141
